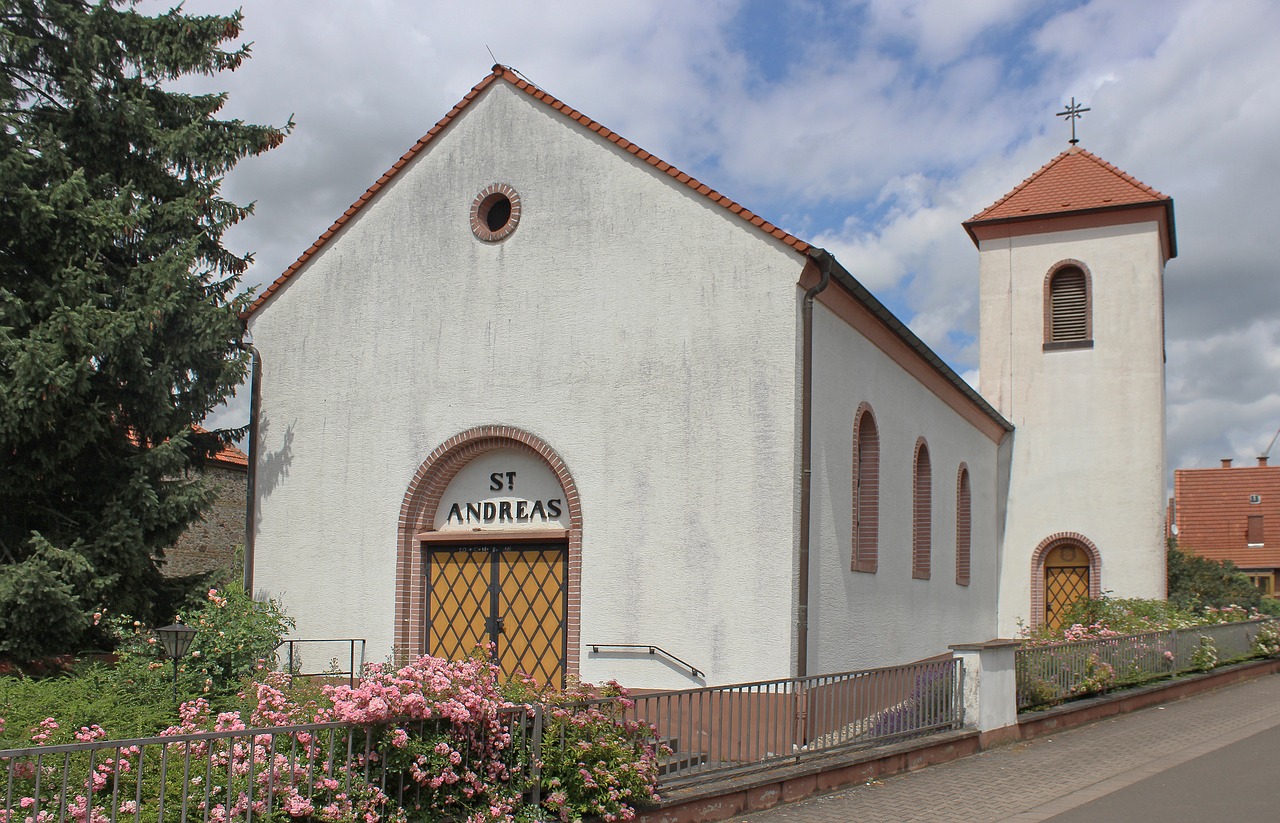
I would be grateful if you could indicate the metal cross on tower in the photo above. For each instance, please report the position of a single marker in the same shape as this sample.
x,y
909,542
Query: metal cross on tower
x,y
1072,114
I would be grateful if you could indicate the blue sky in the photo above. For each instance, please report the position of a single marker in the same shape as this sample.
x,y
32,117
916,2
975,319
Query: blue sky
x,y
870,128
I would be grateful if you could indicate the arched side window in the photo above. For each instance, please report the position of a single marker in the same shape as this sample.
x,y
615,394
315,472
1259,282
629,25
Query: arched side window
x,y
866,491
922,513
1068,307
964,525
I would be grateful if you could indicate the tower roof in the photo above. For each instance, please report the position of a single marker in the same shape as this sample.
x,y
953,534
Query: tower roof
x,y
1076,182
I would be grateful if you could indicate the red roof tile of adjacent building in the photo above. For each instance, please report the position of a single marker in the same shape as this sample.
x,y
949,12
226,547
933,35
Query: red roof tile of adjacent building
x,y
225,455
1212,509
505,74
229,456
1076,181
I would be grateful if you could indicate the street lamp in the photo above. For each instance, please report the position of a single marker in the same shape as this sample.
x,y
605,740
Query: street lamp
x,y
176,639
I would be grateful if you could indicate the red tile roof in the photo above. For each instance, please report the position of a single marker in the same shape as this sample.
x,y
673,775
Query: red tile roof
x,y
1076,182
229,456
507,75
1212,511
225,455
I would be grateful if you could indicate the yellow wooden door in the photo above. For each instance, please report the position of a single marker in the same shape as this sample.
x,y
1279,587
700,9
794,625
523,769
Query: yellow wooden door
x,y
457,602
531,608
511,596
1066,580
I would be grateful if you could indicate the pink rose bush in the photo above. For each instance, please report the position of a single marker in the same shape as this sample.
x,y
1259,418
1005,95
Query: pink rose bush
x,y
442,733
1265,644
595,762
429,740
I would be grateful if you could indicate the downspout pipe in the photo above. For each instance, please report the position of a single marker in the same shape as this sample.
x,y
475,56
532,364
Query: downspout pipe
x,y
251,497
824,262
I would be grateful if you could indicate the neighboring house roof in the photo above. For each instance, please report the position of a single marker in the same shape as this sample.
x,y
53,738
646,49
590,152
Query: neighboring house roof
x,y
1212,509
503,73
230,457
227,456
1075,182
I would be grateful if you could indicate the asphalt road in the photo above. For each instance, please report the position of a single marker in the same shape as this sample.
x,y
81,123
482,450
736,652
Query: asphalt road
x,y
1238,782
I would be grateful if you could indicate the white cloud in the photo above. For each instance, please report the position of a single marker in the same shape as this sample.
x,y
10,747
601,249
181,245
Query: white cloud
x,y
871,128
940,30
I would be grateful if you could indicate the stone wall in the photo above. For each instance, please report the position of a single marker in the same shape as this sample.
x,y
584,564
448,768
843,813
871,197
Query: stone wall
x,y
210,542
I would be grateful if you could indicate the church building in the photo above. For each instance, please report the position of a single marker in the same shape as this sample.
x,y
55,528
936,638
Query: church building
x,y
540,389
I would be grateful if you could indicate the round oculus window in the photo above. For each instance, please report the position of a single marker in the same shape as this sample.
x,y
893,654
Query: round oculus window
x,y
495,212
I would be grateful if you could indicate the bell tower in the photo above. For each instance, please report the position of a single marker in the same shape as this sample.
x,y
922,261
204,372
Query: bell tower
x,y
1071,339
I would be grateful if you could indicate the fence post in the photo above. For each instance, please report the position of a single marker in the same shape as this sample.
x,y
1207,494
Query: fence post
x,y
535,756
990,683
800,715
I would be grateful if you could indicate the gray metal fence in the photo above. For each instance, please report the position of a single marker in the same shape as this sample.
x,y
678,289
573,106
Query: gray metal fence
x,y
721,729
221,776
281,771
1052,673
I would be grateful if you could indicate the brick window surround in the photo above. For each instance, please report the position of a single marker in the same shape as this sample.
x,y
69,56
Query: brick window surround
x,y
964,525
866,491
1047,545
1071,304
487,198
922,513
418,514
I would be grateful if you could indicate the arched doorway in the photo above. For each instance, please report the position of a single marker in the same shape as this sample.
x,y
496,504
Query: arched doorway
x,y
489,555
1064,568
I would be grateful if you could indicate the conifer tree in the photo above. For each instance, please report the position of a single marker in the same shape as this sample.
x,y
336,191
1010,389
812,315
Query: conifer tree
x,y
119,323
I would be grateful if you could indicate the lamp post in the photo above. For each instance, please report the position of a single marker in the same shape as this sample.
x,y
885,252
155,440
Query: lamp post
x,y
176,639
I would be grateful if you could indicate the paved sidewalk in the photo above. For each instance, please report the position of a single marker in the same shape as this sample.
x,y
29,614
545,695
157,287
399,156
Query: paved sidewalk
x,y
1039,779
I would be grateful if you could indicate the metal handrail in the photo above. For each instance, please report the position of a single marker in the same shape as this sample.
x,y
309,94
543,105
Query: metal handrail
x,y
353,671
596,647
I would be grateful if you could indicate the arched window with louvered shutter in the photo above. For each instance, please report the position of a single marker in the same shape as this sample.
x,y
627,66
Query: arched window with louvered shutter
x,y
964,525
922,514
1068,308
866,491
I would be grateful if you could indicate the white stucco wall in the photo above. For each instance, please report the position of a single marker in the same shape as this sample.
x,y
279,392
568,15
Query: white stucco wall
x,y
1088,453
859,619
645,333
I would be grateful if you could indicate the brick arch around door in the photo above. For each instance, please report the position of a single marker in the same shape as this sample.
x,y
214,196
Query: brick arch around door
x,y
1089,578
418,515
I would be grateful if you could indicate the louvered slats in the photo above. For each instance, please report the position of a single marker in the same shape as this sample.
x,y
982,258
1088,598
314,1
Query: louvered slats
x,y
1069,297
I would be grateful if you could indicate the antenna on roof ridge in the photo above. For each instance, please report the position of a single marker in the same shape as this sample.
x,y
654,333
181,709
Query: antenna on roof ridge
x,y
1072,114
524,77
512,69
1267,452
